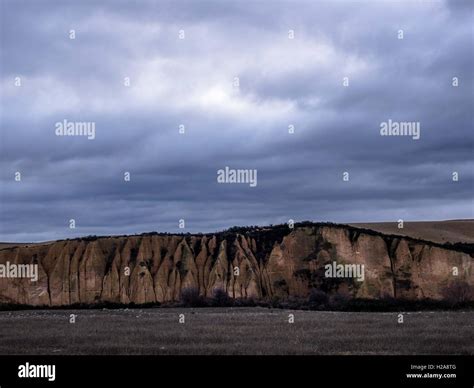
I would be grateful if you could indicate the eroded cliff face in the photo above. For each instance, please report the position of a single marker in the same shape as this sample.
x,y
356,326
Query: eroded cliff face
x,y
256,264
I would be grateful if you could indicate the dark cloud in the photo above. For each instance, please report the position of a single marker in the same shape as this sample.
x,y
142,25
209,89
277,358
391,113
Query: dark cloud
x,y
282,82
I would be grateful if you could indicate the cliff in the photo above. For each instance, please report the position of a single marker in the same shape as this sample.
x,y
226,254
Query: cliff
x,y
246,263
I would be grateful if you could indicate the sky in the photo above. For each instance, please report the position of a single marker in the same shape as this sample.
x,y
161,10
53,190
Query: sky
x,y
294,91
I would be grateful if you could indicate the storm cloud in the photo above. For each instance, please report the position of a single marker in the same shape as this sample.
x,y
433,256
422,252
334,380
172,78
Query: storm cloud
x,y
243,74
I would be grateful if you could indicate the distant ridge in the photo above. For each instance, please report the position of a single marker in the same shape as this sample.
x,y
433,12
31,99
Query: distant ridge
x,y
448,231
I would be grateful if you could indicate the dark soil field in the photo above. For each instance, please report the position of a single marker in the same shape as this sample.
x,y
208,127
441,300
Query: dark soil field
x,y
230,331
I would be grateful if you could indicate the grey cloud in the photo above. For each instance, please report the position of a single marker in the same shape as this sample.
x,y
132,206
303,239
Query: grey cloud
x,y
189,82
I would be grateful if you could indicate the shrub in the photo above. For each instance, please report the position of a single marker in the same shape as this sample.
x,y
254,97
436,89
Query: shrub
x,y
244,302
339,301
190,297
220,298
274,301
458,292
317,298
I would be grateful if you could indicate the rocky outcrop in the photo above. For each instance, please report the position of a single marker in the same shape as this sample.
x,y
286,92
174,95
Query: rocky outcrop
x,y
246,263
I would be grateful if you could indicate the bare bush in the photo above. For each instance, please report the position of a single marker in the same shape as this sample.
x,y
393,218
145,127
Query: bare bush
x,y
220,298
190,297
458,292
317,298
